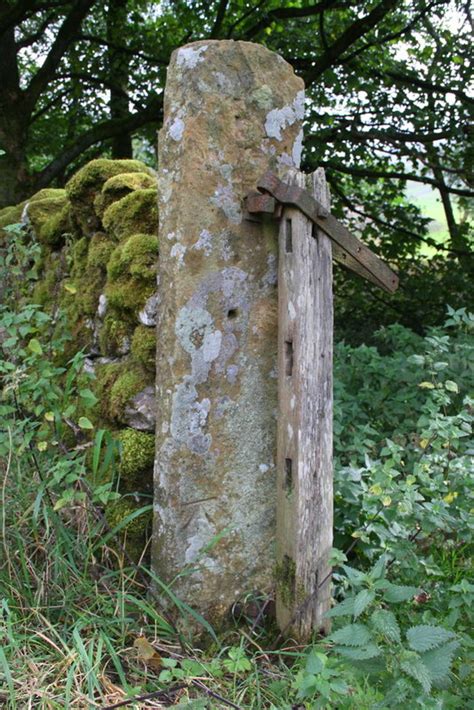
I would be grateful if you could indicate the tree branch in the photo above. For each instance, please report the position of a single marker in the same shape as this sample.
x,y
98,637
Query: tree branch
x,y
290,13
65,36
100,132
351,34
361,172
221,10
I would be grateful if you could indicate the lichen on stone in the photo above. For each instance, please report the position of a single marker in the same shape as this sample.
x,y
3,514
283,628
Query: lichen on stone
x,y
136,212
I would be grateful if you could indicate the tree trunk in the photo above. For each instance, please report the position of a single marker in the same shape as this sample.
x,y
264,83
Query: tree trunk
x,y
118,74
14,180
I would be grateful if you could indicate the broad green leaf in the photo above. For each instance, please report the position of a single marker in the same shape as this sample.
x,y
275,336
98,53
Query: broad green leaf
x,y
35,346
398,593
425,637
416,669
351,635
344,608
438,661
315,662
360,653
85,423
362,601
385,622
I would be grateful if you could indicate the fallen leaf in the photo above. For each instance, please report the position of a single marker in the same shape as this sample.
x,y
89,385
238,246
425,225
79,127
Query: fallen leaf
x,y
147,654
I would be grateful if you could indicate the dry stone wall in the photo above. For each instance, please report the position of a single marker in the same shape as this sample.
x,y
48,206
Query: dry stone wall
x,y
99,249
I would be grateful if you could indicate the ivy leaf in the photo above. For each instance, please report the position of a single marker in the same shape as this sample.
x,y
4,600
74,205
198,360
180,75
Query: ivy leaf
x,y
425,637
352,635
362,601
85,423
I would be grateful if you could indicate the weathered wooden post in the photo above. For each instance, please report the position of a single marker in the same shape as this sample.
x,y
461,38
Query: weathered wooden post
x,y
233,110
305,497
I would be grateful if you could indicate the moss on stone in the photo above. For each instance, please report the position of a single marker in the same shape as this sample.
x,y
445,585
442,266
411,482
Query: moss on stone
x,y
114,335
11,215
137,457
144,346
133,534
136,212
54,230
116,385
100,249
47,193
47,289
119,186
41,211
132,273
86,184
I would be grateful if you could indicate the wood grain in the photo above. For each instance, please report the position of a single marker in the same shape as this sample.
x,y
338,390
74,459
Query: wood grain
x,y
304,448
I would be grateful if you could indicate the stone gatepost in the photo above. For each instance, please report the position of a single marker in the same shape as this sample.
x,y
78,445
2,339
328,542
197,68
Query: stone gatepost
x,y
233,110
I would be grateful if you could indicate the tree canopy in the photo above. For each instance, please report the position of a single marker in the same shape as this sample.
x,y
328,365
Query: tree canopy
x,y
387,85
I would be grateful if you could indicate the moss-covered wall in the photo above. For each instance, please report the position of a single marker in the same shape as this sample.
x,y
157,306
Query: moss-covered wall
x,y
99,249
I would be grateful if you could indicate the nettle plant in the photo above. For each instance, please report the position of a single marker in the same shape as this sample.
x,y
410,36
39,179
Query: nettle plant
x,y
44,405
403,453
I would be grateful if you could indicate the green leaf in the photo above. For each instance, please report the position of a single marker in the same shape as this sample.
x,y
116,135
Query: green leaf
x,y
362,601
352,635
88,396
85,423
397,593
361,653
385,623
35,346
344,608
315,662
425,637
451,386
438,661
415,668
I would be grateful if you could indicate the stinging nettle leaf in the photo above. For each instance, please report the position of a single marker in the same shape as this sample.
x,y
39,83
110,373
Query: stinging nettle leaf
x,y
385,622
363,599
438,661
416,669
398,593
352,635
425,637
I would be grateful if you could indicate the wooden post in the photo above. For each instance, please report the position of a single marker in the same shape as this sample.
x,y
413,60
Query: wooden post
x,y
304,448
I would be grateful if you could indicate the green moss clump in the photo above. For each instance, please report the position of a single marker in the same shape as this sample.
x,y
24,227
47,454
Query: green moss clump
x,y
136,212
54,230
116,385
11,215
120,185
132,274
134,534
113,335
48,288
86,184
144,346
47,193
137,457
41,211
100,249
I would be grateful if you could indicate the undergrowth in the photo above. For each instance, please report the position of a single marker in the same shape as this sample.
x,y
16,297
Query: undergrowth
x,y
79,627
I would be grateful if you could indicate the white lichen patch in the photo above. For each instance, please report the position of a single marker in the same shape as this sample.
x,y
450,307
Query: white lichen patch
x,y
176,129
178,251
291,311
204,242
280,118
190,57
102,307
297,149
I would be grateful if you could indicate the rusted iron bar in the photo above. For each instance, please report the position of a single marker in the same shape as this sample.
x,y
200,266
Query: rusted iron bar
x,y
348,250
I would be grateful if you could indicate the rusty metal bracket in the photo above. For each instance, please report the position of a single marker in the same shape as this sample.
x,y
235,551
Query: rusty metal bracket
x,y
347,249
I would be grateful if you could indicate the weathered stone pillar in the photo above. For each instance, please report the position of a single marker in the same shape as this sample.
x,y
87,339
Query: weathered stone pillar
x,y
232,111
